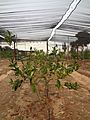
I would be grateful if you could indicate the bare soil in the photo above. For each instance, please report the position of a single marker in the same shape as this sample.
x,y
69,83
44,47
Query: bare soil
x,y
65,104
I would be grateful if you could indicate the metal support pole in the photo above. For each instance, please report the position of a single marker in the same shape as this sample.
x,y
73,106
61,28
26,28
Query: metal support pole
x,y
68,48
47,46
14,53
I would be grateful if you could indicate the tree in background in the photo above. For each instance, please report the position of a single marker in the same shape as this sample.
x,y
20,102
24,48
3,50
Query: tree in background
x,y
9,37
64,47
83,39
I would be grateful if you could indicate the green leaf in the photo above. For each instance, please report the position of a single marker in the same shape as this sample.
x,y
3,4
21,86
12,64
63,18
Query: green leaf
x,y
15,84
30,78
70,85
33,87
44,69
11,81
58,84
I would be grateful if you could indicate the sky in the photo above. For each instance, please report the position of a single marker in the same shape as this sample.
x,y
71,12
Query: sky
x,y
33,19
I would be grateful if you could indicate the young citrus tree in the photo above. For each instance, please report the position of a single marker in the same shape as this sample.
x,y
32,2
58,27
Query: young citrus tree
x,y
39,69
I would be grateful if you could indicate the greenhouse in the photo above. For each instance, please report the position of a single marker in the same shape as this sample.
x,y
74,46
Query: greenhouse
x,y
45,60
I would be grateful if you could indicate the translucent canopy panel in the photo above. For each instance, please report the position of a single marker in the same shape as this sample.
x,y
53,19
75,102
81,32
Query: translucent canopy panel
x,y
34,19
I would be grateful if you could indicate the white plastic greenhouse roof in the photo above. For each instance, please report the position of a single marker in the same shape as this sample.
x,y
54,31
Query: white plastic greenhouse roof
x,y
34,19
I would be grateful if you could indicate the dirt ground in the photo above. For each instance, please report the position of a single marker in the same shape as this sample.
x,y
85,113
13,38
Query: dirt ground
x,y
66,104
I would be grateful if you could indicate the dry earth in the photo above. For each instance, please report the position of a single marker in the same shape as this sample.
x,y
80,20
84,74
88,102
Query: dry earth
x,y
67,104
